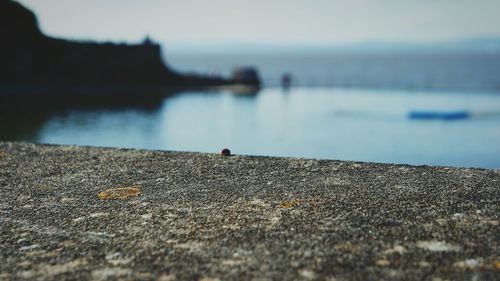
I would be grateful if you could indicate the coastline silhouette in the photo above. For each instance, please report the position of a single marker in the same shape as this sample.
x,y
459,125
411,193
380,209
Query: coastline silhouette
x,y
33,63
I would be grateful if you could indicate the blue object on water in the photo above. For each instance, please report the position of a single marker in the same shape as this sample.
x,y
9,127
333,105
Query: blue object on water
x,y
440,115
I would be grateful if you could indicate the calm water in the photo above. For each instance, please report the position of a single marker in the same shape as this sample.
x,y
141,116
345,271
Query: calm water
x,y
352,107
464,72
329,123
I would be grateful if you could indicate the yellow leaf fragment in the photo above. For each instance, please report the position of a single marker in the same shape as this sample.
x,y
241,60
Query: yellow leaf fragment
x,y
497,265
3,154
122,193
289,204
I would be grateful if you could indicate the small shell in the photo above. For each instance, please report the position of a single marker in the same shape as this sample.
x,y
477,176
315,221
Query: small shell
x,y
225,152
122,193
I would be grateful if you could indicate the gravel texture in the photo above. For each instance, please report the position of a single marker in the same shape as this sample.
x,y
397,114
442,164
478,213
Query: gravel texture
x,y
208,217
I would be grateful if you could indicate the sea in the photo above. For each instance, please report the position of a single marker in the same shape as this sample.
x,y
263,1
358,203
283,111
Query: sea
x,y
407,108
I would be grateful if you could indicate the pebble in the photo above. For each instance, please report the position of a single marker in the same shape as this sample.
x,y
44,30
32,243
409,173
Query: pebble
x,y
469,263
97,215
307,274
225,152
383,263
397,249
110,273
437,246
146,216
167,277
79,219
31,247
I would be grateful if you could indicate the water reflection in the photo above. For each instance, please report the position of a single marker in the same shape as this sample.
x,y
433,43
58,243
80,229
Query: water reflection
x,y
302,122
24,115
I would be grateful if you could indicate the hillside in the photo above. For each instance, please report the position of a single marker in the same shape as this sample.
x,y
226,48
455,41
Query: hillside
x,y
31,59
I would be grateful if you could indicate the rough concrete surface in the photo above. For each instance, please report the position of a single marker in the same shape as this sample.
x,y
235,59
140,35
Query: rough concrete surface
x,y
208,217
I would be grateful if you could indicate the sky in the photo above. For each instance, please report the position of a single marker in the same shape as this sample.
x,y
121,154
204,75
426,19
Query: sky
x,y
320,22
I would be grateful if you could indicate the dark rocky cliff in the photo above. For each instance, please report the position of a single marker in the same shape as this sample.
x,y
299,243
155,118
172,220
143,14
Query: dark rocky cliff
x,y
28,58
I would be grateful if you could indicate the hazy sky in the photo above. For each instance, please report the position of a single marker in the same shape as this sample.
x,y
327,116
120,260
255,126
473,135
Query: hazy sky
x,y
268,21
